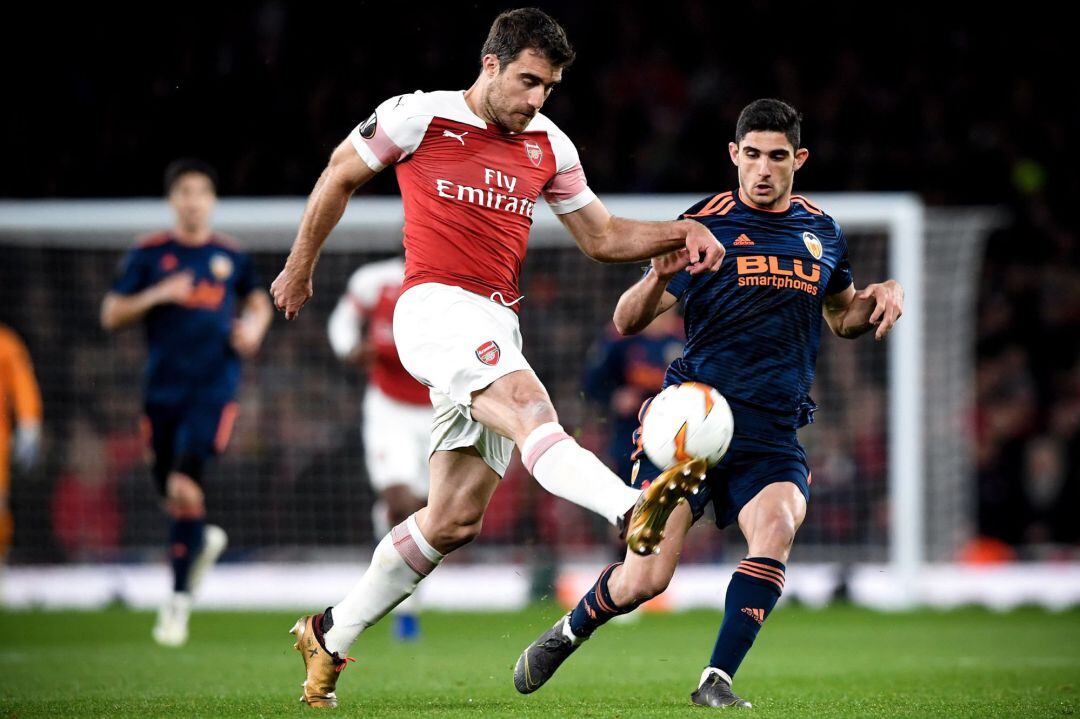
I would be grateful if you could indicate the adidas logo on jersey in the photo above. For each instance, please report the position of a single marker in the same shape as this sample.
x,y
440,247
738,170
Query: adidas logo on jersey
x,y
743,241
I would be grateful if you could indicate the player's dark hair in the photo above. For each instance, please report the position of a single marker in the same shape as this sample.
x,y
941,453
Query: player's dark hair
x,y
527,28
769,115
187,165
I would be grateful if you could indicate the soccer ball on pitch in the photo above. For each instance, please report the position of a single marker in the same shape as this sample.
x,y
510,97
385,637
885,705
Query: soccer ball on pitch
x,y
687,421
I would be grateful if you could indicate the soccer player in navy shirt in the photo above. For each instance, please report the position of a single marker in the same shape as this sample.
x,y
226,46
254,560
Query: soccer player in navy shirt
x,y
753,331
621,372
200,300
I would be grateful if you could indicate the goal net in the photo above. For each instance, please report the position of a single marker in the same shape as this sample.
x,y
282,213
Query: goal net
x,y
890,450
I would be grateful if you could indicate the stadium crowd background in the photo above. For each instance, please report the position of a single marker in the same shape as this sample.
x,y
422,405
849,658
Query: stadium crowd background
x,y
265,90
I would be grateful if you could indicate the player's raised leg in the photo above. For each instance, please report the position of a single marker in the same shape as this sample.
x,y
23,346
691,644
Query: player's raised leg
x,y
462,483
517,406
769,522
620,588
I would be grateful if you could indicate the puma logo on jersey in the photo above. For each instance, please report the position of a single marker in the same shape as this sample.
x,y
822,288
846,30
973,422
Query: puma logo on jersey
x,y
460,138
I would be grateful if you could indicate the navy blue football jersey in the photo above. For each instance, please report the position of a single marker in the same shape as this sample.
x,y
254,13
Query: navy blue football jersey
x,y
754,327
188,344
637,363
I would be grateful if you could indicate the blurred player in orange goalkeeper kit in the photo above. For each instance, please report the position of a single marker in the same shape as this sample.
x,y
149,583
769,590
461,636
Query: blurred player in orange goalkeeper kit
x,y
397,409
21,399
200,300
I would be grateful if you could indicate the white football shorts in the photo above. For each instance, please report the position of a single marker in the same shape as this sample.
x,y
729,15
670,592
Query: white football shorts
x,y
396,438
457,342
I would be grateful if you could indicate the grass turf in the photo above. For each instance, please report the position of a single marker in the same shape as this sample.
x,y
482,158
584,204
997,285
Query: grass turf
x,y
840,662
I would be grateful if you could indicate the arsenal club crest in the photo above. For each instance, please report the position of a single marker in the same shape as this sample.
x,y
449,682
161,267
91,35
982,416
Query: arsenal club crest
x,y
488,353
534,152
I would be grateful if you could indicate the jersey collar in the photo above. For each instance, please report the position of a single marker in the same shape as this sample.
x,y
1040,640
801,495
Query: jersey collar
x,y
741,201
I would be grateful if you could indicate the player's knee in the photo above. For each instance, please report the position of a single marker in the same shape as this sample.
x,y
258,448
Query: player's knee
x,y
455,532
775,534
184,496
532,403
637,587
648,587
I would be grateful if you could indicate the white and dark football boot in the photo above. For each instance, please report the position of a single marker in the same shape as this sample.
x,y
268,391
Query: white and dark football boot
x,y
540,659
714,690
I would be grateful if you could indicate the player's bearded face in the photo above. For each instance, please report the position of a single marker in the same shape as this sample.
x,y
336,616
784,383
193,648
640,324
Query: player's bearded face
x,y
192,198
767,163
517,91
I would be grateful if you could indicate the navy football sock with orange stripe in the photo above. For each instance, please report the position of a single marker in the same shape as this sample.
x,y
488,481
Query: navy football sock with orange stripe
x,y
596,607
185,543
755,586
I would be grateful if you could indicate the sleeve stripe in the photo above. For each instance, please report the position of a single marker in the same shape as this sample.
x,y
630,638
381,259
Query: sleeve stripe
x,y
380,148
574,203
806,203
365,152
712,205
566,185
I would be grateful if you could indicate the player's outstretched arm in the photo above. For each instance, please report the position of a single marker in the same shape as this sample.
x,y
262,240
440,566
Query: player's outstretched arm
x,y
648,298
344,331
343,176
851,314
118,310
607,238
251,326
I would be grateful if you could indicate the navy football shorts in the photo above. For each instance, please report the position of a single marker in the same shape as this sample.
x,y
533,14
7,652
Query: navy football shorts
x,y
749,466
184,436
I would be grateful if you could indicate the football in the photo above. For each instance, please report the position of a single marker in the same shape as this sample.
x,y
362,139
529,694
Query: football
x,y
686,421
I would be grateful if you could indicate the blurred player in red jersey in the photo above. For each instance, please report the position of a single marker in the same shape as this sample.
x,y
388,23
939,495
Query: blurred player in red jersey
x,y
471,166
397,409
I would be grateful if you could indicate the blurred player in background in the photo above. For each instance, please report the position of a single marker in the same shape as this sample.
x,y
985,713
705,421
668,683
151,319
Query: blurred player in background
x,y
471,166
20,407
198,296
397,409
623,371
753,331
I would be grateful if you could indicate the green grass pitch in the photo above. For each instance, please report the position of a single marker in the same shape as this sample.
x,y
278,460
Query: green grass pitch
x,y
840,662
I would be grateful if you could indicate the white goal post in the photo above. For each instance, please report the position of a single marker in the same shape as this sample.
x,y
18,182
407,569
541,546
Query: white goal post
x,y
374,223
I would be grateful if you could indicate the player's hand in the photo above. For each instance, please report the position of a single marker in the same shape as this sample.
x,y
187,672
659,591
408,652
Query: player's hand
x,y
626,401
26,446
245,338
671,264
361,356
888,297
706,253
175,289
291,291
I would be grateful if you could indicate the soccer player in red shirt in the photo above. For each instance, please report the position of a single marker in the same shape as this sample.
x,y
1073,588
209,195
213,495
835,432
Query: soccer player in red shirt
x,y
471,166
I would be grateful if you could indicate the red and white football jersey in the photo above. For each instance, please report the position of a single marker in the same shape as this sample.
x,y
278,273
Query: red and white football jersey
x,y
372,293
469,188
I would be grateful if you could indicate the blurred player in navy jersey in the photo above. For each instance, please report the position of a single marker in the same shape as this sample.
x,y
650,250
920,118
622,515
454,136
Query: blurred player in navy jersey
x,y
623,371
200,300
397,409
753,331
